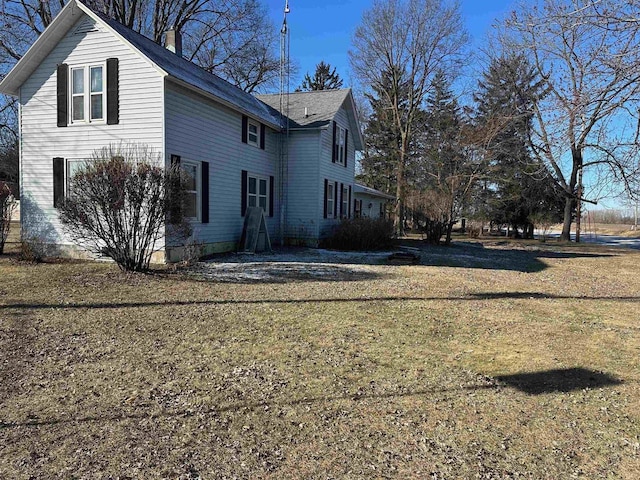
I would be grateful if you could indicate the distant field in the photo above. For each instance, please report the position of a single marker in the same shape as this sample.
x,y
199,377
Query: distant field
x,y
492,359
621,230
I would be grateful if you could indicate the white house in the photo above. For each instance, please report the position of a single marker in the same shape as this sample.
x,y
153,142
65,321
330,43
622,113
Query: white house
x,y
89,81
369,202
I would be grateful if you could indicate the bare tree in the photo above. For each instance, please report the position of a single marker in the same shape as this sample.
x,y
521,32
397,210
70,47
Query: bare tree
x,y
587,52
412,39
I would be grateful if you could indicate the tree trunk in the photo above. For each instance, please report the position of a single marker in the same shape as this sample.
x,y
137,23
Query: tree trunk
x,y
398,221
448,237
568,214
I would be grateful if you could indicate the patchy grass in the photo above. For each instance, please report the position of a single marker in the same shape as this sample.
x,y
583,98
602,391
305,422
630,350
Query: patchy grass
x,y
490,360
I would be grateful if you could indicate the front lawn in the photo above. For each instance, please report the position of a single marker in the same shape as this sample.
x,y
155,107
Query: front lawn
x,y
493,362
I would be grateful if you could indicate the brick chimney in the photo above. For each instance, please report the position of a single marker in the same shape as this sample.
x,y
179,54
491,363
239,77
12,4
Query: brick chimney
x,y
173,41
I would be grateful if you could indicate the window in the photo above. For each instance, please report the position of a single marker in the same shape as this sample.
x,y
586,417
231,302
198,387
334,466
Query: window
x,y
253,131
344,210
357,208
87,95
330,199
192,190
73,165
258,192
339,146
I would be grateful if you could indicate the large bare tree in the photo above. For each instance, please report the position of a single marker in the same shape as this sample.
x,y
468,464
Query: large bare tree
x,y
586,129
411,39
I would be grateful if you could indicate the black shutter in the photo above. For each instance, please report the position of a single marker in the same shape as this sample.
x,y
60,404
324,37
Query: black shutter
x,y
262,129
346,144
245,128
333,144
243,200
62,92
113,113
335,200
271,196
341,200
349,204
326,187
204,210
58,181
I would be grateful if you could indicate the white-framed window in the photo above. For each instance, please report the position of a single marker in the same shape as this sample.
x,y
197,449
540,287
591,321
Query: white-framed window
x,y
345,201
192,191
87,95
330,199
340,142
71,167
258,192
253,133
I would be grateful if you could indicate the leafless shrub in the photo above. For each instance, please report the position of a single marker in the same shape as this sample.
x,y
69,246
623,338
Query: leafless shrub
x,y
121,202
33,250
7,206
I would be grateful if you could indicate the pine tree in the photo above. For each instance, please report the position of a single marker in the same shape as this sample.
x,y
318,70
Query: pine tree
x,y
382,139
518,187
325,78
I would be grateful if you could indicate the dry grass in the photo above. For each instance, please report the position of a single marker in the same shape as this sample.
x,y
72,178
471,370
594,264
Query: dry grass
x,y
406,372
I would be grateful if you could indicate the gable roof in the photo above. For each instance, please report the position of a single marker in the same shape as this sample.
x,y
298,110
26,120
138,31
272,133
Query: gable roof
x,y
321,108
168,64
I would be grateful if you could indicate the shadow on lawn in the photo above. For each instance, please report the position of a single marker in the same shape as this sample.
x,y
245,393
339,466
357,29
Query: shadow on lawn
x,y
534,383
477,255
559,380
257,301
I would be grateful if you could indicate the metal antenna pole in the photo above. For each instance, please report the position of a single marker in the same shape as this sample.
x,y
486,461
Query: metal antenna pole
x,y
284,122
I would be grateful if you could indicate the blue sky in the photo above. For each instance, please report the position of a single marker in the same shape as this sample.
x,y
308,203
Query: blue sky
x,y
322,30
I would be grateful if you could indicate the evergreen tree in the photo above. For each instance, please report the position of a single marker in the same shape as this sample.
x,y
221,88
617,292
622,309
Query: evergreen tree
x,y
325,78
382,138
518,186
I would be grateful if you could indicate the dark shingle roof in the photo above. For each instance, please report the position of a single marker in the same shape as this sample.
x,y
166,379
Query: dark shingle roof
x,y
190,73
321,105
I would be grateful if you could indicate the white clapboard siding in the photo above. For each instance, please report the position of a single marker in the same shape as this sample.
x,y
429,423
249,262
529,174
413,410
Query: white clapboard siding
x,y
141,119
334,171
201,130
302,208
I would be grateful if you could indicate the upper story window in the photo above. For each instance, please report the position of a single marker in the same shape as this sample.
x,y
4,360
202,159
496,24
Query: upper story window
x,y
252,133
340,145
87,96
340,139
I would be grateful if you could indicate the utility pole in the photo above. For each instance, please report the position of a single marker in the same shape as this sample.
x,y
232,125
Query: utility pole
x,y
284,123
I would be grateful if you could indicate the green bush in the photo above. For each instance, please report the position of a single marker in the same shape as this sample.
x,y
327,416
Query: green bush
x,y
361,234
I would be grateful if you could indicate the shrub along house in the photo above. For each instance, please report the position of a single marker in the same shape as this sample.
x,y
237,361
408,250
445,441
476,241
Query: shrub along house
x,y
89,82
